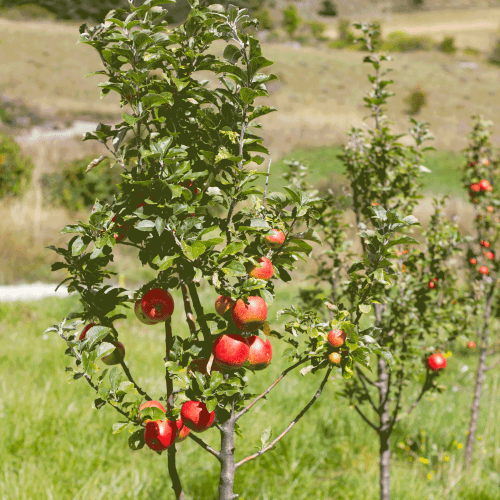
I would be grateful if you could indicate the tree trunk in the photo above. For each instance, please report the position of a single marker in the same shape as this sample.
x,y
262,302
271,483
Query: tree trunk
x,y
227,466
471,438
172,470
385,431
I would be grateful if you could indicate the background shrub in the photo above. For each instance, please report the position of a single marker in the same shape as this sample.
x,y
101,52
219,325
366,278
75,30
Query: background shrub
x,y
291,19
400,41
265,19
416,101
328,9
26,12
74,189
448,45
15,169
317,29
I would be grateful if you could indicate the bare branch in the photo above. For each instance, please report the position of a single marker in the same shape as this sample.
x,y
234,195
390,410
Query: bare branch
x,y
493,366
287,430
204,445
267,182
362,376
268,390
366,419
131,379
425,387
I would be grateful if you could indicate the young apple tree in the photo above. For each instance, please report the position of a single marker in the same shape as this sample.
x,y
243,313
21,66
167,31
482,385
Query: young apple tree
x,y
481,178
413,292
191,205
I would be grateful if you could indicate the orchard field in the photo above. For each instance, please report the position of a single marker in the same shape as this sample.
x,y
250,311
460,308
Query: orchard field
x,y
54,445
57,447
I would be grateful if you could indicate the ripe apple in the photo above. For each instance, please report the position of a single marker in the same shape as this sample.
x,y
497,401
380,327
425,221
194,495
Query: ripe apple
x,y
490,209
473,261
230,351
334,358
196,417
85,330
261,353
223,305
264,271
200,365
140,314
489,255
160,434
157,305
484,185
436,362
471,345
152,404
121,233
432,284
483,270
474,188
484,243
336,338
251,315
182,431
275,240
116,356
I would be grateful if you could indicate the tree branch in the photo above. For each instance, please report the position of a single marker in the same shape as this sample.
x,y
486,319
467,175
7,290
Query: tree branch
x,y
204,445
493,366
287,430
376,409
187,308
131,379
425,387
268,390
199,311
366,419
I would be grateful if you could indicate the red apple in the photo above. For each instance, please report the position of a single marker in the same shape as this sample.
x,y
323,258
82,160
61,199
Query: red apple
x,y
490,209
473,261
157,305
261,353
251,315
436,362
223,305
182,431
85,330
474,188
483,270
432,284
230,351
264,271
484,243
489,255
160,434
140,314
334,358
121,233
471,345
336,338
116,356
196,417
484,185
152,404
200,365
275,240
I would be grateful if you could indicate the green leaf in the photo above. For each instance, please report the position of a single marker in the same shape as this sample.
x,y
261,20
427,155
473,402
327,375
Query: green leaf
x,y
119,427
197,248
78,247
266,436
145,225
248,95
211,404
235,268
365,308
233,248
104,349
160,225
114,378
130,120
165,262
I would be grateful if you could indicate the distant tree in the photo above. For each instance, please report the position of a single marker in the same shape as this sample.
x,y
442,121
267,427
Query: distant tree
x,y
291,19
328,9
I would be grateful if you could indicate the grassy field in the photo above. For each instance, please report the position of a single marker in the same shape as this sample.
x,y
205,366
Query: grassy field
x,y
54,446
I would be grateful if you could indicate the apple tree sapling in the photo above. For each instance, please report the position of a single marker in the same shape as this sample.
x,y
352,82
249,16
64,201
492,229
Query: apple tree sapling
x,y
410,310
482,169
195,214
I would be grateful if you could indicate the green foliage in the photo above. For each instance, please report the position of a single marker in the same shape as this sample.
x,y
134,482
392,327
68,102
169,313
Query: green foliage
x,y
328,9
472,51
15,168
265,19
291,19
415,101
448,45
75,189
26,12
494,57
346,38
400,41
317,29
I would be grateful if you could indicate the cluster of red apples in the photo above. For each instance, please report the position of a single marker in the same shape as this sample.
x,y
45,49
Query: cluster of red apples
x,y
230,351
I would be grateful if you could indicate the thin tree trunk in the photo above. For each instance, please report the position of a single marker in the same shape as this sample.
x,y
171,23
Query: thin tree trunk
x,y
174,476
471,438
385,431
227,465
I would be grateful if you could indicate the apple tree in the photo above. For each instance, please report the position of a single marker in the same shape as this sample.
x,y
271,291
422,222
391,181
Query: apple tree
x,y
412,309
191,205
481,179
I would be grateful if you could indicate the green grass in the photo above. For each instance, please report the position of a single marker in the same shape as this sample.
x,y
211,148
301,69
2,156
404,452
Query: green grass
x,y
54,446
325,169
